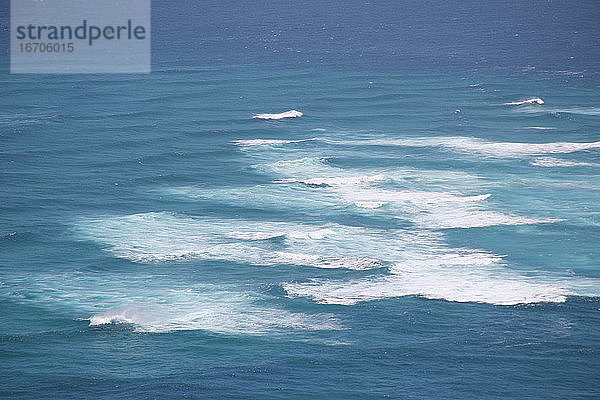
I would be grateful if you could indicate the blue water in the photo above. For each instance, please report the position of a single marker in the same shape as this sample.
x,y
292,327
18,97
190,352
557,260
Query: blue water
x,y
411,236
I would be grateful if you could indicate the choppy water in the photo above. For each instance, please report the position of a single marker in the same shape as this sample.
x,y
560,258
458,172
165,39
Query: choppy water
x,y
412,235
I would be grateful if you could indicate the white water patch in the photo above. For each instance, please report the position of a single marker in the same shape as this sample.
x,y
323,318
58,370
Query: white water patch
x,y
436,210
540,128
425,208
150,303
464,144
472,145
299,198
327,188
558,162
467,276
323,187
413,198
268,142
315,171
335,181
369,204
318,170
163,237
317,234
334,262
451,284
429,269
591,111
533,100
216,311
432,210
306,165
287,114
448,218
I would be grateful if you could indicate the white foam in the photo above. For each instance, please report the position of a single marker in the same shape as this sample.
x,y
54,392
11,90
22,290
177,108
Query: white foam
x,y
287,114
165,303
558,162
428,209
591,111
578,110
306,165
469,145
446,217
130,314
255,235
334,181
216,311
418,263
267,142
369,204
414,197
458,286
334,262
457,276
434,210
316,171
533,100
425,208
279,197
163,237
483,147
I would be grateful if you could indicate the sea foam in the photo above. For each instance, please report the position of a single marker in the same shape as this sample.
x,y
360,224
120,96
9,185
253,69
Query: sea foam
x,y
533,100
463,144
425,208
287,114
453,276
558,162
477,146
164,303
164,237
268,142
459,285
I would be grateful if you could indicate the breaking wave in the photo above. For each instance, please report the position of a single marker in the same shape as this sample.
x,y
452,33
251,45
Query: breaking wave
x,y
557,162
533,100
287,114
163,237
483,147
464,144
268,142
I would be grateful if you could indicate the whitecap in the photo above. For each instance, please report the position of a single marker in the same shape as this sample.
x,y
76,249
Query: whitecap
x,y
476,277
533,100
216,311
306,165
267,142
451,217
164,237
369,204
483,147
334,181
286,114
558,162
457,286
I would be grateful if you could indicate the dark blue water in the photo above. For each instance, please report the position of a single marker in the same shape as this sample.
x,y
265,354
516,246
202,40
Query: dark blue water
x,y
411,236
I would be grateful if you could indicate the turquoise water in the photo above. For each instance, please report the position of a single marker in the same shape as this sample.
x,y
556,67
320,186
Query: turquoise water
x,y
411,236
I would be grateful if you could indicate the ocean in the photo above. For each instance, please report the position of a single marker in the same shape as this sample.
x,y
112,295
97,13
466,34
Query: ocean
x,y
416,234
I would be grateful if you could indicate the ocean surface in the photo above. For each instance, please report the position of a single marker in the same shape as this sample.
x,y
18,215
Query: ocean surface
x,y
412,236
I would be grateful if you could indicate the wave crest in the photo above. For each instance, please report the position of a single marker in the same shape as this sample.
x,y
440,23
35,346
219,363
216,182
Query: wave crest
x,y
286,114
